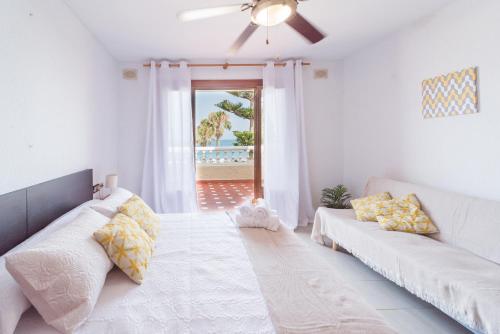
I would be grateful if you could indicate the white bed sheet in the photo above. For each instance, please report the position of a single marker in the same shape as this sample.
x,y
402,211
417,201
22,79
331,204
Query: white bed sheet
x,y
200,280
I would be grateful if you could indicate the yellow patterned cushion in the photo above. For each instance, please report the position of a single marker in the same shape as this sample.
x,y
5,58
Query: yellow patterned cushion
x,y
404,215
365,207
139,211
383,208
127,245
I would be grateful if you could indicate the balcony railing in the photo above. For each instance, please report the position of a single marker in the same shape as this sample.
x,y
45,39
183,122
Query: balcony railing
x,y
224,154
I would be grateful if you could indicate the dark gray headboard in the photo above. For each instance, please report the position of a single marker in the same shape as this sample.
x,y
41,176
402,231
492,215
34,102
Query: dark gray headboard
x,y
25,212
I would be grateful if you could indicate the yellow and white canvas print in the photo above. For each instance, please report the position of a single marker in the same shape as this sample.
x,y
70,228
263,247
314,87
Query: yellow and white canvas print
x,y
451,94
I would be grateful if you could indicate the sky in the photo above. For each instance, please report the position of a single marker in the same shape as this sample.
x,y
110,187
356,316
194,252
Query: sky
x,y
205,103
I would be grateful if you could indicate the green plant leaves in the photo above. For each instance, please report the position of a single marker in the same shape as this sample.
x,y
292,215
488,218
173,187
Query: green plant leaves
x,y
336,198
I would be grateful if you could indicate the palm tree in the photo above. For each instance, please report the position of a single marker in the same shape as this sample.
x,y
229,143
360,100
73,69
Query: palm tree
x,y
219,121
238,110
205,132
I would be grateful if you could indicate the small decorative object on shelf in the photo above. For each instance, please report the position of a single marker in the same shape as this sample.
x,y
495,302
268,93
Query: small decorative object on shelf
x,y
336,198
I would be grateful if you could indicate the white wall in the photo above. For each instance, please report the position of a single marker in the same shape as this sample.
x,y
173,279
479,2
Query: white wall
x,y
384,132
58,90
323,117
132,118
323,121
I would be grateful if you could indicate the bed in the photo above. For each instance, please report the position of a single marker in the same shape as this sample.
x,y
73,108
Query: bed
x,y
207,276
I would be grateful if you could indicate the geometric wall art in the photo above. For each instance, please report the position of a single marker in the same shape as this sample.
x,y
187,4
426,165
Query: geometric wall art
x,y
451,94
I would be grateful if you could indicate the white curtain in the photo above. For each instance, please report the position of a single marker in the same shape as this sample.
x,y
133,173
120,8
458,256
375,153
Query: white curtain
x,y
168,182
286,178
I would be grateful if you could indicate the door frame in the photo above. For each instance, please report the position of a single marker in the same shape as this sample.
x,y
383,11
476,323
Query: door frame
x,y
256,85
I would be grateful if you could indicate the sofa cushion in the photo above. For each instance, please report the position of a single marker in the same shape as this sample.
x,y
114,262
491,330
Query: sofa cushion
x,y
466,222
404,215
463,285
365,208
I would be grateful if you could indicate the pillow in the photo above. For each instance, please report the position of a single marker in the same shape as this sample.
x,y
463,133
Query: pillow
x,y
13,303
127,245
139,211
109,206
404,215
63,275
365,207
384,208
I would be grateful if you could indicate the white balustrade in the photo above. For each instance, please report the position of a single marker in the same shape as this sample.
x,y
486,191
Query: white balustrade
x,y
224,154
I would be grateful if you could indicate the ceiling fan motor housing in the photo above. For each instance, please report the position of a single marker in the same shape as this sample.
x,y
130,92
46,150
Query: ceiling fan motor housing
x,y
273,12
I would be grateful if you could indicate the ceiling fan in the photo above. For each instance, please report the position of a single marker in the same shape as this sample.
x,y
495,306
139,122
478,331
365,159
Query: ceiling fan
x,y
263,13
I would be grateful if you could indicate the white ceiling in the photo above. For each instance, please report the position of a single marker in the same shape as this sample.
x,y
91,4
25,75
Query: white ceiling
x,y
136,30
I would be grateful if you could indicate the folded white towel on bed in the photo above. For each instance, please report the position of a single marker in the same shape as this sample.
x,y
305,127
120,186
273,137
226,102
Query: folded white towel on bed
x,y
261,210
256,215
272,223
243,221
246,209
262,203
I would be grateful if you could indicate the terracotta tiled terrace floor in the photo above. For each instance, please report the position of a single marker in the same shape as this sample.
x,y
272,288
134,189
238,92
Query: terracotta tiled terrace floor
x,y
222,195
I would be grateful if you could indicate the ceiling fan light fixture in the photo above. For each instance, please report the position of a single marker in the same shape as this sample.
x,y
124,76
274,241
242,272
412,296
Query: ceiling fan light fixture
x,y
273,12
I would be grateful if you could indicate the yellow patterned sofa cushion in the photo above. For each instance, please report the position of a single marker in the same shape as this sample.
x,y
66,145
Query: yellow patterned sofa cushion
x,y
365,207
404,215
139,211
127,245
383,208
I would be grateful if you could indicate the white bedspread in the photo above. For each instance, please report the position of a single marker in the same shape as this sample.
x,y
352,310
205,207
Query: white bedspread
x,y
199,281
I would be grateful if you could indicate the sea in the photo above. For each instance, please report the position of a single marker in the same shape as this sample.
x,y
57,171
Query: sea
x,y
224,142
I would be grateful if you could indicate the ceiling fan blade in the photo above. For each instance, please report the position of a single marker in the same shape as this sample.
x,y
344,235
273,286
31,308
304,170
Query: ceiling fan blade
x,y
203,13
245,35
306,29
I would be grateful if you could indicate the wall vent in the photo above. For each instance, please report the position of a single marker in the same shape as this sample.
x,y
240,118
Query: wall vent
x,y
129,74
321,74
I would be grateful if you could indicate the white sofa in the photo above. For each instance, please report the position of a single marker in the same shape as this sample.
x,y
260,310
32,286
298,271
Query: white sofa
x,y
456,270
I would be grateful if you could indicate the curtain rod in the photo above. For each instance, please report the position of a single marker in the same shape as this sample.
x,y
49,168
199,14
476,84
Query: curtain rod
x,y
226,65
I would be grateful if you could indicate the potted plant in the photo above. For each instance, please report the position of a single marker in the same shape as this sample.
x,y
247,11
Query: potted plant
x,y
336,198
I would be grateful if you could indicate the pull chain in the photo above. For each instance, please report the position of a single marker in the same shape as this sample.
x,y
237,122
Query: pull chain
x,y
267,28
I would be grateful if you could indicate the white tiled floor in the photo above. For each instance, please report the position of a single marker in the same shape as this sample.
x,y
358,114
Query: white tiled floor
x,y
406,313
